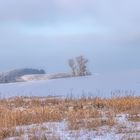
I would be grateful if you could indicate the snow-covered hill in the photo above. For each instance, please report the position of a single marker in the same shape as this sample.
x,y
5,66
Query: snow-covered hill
x,y
96,85
36,77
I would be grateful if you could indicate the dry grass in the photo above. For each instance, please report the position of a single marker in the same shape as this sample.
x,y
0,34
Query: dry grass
x,y
89,113
9,132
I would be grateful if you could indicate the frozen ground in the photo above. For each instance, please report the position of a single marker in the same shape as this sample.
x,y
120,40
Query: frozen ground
x,y
124,130
96,85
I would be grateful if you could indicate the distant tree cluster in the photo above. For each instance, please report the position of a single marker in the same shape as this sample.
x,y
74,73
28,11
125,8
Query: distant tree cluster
x,y
14,75
78,66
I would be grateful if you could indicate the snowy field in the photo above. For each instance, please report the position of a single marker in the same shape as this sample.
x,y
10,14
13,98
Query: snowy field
x,y
95,85
59,131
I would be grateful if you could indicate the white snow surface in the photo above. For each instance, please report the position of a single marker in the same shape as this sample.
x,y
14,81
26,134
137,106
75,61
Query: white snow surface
x,y
35,77
95,85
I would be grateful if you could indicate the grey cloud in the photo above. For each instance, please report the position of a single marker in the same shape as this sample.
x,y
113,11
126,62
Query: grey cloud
x,y
25,10
121,19
120,16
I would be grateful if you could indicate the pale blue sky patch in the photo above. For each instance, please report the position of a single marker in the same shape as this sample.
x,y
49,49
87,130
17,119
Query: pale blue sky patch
x,y
70,28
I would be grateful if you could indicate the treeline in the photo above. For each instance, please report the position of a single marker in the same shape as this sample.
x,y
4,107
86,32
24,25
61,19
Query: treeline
x,y
14,75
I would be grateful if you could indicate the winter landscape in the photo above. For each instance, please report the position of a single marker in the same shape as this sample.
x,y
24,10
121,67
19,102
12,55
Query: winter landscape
x,y
71,108
69,70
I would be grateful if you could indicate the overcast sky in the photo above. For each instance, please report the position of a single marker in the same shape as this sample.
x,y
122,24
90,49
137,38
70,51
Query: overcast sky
x,y
45,33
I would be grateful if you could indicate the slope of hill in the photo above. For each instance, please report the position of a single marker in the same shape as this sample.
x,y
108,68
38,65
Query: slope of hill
x,y
35,77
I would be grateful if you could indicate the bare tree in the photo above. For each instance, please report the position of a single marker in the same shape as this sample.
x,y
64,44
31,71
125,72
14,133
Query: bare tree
x,y
79,66
72,66
82,68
